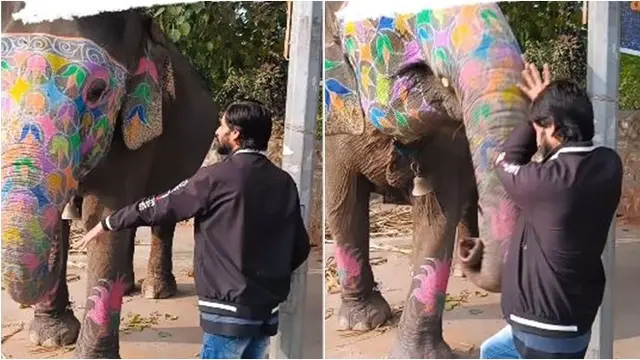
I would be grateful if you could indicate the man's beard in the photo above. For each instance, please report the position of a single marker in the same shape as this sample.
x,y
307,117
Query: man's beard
x,y
221,147
545,148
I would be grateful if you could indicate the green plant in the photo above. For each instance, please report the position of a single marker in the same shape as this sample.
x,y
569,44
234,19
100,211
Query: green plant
x,y
629,82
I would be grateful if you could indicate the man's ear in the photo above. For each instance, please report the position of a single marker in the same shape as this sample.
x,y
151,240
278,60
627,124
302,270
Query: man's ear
x,y
234,135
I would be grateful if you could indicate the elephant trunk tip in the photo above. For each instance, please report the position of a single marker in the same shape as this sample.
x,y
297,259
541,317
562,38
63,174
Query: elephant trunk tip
x,y
478,266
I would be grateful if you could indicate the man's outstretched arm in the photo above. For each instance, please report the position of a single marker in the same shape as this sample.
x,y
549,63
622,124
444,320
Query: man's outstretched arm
x,y
182,202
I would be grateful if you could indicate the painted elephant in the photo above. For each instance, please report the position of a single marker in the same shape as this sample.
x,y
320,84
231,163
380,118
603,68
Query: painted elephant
x,y
105,107
417,100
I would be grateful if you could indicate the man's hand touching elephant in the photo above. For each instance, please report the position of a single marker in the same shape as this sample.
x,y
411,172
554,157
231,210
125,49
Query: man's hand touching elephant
x,y
533,84
97,231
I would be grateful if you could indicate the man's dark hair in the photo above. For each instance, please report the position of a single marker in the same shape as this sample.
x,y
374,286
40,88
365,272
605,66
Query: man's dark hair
x,y
253,121
567,105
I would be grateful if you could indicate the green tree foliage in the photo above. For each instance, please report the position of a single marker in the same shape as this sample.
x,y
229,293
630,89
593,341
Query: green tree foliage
x,y
237,47
552,32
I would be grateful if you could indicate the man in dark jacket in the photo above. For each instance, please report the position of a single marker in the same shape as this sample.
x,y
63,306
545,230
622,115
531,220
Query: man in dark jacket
x,y
248,229
553,279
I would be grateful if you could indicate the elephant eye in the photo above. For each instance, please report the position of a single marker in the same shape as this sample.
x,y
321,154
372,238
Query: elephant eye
x,y
96,90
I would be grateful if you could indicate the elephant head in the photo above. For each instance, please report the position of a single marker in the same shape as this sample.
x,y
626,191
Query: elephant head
x,y
399,67
69,89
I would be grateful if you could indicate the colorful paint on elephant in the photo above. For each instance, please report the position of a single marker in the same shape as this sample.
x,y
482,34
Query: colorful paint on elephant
x,y
382,65
431,290
143,103
60,101
455,42
349,267
107,304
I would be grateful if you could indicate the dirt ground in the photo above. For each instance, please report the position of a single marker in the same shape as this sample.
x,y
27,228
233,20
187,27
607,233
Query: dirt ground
x,y
155,328
472,315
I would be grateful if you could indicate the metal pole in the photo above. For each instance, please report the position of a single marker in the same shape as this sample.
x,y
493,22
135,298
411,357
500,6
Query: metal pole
x,y
298,155
603,73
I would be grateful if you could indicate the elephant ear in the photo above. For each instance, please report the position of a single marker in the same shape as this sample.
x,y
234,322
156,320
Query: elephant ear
x,y
147,89
343,109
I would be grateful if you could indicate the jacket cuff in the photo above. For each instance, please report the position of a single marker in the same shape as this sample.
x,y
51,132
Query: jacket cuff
x,y
105,224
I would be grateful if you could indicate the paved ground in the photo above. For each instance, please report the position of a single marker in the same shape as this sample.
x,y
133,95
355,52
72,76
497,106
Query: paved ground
x,y
477,314
176,334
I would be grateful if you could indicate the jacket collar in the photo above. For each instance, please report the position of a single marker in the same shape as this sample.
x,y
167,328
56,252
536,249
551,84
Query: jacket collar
x,y
244,151
249,151
570,147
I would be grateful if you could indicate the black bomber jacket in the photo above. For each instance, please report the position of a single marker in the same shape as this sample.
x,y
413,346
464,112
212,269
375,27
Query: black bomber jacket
x,y
553,278
249,238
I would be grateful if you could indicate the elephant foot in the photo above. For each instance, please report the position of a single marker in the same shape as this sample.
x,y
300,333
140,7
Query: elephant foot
x,y
437,349
159,287
54,329
364,315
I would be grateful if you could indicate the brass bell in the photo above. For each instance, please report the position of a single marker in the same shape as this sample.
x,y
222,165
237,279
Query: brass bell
x,y
70,212
420,186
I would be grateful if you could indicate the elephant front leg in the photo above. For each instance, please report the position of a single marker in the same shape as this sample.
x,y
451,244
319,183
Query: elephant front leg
x,y
160,282
54,324
436,217
363,307
106,272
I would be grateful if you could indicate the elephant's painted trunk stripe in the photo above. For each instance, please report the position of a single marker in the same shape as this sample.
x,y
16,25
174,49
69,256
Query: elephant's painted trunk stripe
x,y
29,245
55,129
489,65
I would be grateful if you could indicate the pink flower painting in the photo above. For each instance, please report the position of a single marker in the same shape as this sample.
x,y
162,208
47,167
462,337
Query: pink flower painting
x,y
107,303
348,266
433,278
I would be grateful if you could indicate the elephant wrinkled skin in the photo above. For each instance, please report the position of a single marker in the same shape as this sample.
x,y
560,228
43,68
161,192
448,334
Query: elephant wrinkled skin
x,y
106,108
418,96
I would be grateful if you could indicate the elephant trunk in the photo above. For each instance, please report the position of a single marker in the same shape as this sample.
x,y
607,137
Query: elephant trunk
x,y
482,263
30,228
492,107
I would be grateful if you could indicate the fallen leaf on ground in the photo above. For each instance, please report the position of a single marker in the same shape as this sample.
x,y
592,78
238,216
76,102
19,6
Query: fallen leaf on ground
x,y
170,317
452,302
475,311
377,260
328,313
138,322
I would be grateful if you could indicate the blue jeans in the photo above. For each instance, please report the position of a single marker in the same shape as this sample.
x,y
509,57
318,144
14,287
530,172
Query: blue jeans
x,y
503,346
227,347
500,346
